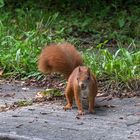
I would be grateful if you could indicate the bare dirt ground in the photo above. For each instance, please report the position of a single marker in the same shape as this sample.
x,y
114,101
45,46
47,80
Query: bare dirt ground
x,y
115,119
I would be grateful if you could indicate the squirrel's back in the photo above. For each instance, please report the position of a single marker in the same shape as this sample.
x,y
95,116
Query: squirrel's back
x,y
62,58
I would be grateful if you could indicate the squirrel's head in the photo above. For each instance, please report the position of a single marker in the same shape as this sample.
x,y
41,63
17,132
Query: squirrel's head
x,y
83,77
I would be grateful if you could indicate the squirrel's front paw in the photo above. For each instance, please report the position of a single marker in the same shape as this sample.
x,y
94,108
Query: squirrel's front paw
x,y
67,107
81,112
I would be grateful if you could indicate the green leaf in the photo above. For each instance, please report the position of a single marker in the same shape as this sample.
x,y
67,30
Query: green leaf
x,y
121,22
18,56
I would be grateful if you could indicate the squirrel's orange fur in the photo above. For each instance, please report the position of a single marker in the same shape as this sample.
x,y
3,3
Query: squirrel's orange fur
x,y
65,59
61,58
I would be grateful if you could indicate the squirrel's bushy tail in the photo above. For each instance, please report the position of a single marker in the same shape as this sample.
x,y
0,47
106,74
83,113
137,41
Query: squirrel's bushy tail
x,y
62,58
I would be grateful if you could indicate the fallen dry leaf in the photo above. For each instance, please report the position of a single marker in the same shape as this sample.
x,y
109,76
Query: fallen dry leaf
x,y
4,108
39,95
9,95
1,72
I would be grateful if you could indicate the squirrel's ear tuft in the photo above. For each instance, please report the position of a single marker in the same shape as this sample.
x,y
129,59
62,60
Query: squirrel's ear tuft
x,y
79,69
88,71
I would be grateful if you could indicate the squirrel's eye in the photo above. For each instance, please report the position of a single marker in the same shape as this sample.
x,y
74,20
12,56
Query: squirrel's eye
x,y
88,78
77,79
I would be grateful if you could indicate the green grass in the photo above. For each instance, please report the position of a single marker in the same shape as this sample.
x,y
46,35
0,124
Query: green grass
x,y
24,31
121,65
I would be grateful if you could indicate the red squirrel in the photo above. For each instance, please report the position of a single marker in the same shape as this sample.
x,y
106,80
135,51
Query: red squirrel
x,y
65,59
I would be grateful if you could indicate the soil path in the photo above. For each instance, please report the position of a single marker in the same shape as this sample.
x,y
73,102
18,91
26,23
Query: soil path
x,y
116,119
